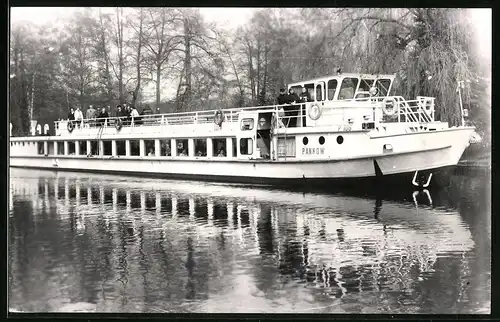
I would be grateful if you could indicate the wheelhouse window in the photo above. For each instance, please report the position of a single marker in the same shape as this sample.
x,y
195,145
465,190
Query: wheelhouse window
x,y
200,147
364,86
247,124
165,147
182,148
332,88
219,147
383,86
319,91
246,146
348,88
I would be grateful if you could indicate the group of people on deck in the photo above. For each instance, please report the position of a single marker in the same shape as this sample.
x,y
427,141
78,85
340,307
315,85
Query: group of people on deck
x,y
125,112
292,111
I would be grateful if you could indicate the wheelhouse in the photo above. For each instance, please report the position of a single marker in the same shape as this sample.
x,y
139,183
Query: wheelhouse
x,y
345,86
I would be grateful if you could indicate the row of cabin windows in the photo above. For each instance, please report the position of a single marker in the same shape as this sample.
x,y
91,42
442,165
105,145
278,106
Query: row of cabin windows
x,y
22,143
347,89
182,148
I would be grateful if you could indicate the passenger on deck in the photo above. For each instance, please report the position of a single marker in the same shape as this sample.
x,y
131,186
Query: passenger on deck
x,y
199,154
222,153
151,153
102,117
305,96
134,115
127,114
90,114
183,153
78,117
167,149
282,97
292,111
71,114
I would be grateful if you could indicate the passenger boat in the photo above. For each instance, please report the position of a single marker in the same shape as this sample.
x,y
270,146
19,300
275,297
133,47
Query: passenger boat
x,y
352,128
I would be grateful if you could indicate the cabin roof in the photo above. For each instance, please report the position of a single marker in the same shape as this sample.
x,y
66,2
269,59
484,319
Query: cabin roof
x,y
342,75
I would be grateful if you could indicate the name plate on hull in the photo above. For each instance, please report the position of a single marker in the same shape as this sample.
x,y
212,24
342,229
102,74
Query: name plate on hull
x,y
313,151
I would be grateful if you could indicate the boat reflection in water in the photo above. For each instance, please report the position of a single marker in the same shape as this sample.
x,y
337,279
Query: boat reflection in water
x,y
132,245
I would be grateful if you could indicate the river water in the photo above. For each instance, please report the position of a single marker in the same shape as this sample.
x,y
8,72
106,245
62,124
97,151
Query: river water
x,y
103,243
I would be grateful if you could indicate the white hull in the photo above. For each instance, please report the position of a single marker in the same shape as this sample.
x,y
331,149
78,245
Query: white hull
x,y
416,151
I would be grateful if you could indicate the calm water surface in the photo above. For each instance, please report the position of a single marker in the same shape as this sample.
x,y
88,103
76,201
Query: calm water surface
x,y
80,242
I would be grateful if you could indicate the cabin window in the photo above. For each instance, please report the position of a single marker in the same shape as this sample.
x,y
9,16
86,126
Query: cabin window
x,y
41,149
219,147
149,148
107,148
134,148
182,148
94,147
60,148
235,147
83,147
165,147
71,148
120,148
246,146
319,91
200,147
247,124
348,88
383,86
50,147
332,88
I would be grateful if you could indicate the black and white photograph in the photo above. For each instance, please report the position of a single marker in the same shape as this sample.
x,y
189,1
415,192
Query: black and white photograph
x,y
172,160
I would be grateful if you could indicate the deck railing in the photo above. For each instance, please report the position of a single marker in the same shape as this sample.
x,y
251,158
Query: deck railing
x,y
420,110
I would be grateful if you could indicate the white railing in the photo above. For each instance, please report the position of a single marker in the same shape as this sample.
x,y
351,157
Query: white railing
x,y
420,110
185,118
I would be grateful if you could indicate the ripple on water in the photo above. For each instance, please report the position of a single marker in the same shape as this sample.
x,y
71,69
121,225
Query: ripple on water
x,y
191,247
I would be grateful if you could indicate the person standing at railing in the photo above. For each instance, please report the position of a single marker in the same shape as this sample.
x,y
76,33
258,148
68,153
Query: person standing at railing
x,y
90,114
292,111
78,117
71,114
134,114
102,117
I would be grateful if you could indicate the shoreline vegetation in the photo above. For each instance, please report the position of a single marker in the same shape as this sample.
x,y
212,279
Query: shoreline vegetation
x,y
105,57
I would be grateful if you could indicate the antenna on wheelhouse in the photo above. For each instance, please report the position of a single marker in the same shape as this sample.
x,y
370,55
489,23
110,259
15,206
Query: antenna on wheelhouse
x,y
339,71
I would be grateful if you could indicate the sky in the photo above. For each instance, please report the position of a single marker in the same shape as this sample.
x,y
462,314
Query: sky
x,y
229,18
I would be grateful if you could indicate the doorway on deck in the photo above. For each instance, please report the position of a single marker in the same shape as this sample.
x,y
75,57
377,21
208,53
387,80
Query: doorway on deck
x,y
264,135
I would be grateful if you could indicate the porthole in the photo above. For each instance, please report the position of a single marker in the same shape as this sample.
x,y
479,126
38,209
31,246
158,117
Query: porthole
x,y
305,140
321,140
340,139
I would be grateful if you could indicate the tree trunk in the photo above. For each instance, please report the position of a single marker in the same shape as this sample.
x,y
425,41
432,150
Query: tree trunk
x,y
138,63
119,24
187,63
158,79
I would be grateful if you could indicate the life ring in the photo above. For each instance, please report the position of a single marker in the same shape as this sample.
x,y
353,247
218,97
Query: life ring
x,y
118,124
389,106
315,112
219,117
428,107
71,126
